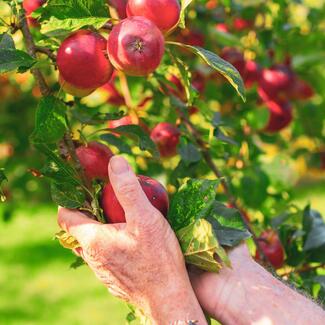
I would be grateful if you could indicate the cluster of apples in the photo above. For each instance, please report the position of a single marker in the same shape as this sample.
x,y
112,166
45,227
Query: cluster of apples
x,y
86,60
94,159
277,87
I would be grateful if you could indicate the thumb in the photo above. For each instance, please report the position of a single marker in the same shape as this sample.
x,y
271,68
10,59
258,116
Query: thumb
x,y
129,192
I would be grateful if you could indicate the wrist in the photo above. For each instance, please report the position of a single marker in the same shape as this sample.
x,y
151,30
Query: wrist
x,y
176,302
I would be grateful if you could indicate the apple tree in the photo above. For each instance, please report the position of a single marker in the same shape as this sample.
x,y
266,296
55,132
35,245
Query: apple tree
x,y
215,99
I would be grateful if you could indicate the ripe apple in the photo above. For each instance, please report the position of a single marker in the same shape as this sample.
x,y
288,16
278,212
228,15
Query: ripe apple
x,y
94,158
191,37
280,116
252,73
154,191
166,136
163,13
74,91
136,46
82,62
119,6
276,82
241,24
222,27
30,6
272,248
301,90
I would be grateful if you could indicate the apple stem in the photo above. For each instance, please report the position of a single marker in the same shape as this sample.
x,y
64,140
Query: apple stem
x,y
46,51
231,199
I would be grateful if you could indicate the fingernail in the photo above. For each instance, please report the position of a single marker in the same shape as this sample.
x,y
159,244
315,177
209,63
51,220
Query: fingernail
x,y
119,165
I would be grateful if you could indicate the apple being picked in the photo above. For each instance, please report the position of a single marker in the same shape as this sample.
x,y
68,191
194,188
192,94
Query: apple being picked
x,y
94,158
163,13
166,136
136,46
82,62
154,191
272,248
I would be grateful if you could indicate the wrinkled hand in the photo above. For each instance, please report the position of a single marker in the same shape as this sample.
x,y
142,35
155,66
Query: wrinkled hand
x,y
140,261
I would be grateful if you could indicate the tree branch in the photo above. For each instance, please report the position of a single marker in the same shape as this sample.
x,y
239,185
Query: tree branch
x,y
30,46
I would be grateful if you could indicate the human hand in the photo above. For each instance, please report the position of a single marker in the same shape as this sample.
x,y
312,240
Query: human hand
x,y
141,261
248,294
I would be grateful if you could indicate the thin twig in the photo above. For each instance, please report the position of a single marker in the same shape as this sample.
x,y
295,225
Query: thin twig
x,y
304,268
125,90
46,51
30,46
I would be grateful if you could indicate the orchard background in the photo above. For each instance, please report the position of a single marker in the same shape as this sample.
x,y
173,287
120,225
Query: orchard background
x,y
265,145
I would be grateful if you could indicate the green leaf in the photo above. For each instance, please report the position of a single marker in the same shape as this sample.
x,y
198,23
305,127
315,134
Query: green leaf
x,y
60,17
56,27
144,140
67,195
192,202
184,5
116,142
63,9
56,168
93,116
6,42
314,227
12,59
50,124
199,245
3,178
185,72
219,64
189,153
228,225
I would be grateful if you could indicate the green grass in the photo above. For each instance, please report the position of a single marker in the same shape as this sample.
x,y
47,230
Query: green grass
x,y
38,287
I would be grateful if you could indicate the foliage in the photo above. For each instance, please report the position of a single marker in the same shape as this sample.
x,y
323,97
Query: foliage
x,y
232,169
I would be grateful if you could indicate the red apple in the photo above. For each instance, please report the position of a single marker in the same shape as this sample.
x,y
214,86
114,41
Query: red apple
x,y
166,136
74,91
252,73
280,116
30,6
191,37
301,90
222,27
119,6
272,248
198,82
163,13
136,46
276,82
241,24
94,158
82,62
154,191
